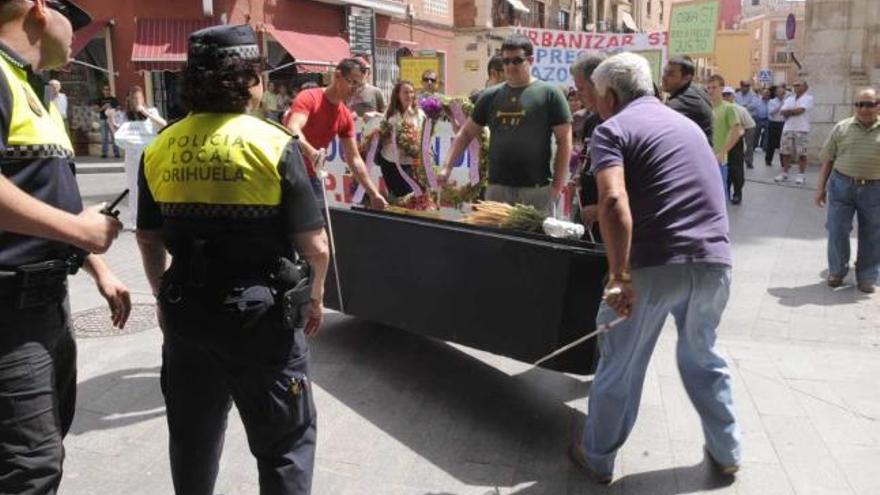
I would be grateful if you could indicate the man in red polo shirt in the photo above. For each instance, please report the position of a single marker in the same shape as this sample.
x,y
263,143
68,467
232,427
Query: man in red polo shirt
x,y
317,115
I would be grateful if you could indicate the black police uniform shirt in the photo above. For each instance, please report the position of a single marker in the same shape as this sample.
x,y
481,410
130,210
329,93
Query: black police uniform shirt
x,y
35,155
232,178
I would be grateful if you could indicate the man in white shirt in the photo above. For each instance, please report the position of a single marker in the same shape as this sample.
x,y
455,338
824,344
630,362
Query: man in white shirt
x,y
795,132
59,99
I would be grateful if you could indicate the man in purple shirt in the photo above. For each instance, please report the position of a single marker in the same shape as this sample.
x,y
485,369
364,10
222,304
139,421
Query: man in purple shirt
x,y
664,222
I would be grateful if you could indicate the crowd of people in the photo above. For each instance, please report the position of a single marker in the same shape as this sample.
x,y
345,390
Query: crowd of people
x,y
654,178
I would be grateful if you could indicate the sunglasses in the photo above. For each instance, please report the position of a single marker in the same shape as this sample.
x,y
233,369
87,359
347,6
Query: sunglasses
x,y
429,79
865,104
514,61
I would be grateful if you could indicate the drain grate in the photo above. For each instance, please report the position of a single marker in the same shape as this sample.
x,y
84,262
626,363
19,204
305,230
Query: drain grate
x,y
96,322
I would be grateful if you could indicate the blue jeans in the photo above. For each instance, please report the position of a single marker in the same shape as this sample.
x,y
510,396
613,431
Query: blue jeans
x,y
845,199
725,179
107,140
696,295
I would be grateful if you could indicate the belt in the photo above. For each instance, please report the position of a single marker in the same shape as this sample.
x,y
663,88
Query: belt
x,y
857,182
34,285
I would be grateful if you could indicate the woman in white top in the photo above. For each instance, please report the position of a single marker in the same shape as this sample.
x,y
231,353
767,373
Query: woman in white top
x,y
402,108
137,129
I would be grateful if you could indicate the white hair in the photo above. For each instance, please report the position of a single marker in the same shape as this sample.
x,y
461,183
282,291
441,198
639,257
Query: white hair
x,y
628,74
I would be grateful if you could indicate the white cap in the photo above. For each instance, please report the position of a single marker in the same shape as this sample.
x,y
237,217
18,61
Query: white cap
x,y
728,90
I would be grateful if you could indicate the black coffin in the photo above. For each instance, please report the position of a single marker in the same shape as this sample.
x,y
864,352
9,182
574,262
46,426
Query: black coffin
x,y
514,294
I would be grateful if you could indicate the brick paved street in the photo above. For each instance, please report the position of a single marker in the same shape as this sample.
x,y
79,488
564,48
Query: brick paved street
x,y
402,414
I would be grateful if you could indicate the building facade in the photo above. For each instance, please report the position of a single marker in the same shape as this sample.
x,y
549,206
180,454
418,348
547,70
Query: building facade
x,y
770,48
652,15
144,44
842,55
481,25
613,15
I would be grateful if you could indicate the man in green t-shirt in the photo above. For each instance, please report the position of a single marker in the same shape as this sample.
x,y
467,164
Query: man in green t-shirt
x,y
522,114
726,130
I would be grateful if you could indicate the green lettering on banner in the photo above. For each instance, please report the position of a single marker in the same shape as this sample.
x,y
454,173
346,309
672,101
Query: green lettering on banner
x,y
692,28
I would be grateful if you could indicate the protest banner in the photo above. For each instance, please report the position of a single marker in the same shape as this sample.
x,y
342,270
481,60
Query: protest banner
x,y
692,28
340,184
556,51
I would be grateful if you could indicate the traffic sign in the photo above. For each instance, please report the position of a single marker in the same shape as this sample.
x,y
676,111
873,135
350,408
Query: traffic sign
x,y
790,26
765,75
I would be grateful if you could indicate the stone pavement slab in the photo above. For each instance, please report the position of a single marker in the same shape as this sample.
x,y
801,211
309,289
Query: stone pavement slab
x,y
403,414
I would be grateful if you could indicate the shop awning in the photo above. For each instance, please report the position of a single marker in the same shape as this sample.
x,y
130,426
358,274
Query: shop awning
x,y
629,22
160,44
518,6
312,52
82,37
394,8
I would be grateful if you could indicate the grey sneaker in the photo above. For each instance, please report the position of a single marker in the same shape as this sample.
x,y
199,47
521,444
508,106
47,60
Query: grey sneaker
x,y
799,180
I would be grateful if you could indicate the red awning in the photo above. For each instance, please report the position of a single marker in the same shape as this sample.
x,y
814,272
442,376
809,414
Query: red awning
x,y
160,44
313,52
82,36
314,69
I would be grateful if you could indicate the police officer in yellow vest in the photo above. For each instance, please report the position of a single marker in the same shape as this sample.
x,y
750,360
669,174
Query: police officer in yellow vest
x,y
44,234
227,195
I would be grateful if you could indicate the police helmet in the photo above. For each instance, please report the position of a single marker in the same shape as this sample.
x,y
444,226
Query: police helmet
x,y
78,17
209,46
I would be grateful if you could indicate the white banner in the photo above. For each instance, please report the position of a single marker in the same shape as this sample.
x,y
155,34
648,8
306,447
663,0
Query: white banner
x,y
556,51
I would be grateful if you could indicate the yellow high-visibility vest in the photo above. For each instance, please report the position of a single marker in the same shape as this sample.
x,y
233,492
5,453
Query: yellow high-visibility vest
x,y
217,163
34,130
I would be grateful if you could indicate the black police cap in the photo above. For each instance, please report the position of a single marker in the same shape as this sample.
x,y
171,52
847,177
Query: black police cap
x,y
78,17
210,45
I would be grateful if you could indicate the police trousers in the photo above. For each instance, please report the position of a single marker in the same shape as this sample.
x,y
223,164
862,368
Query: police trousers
x,y
37,397
232,347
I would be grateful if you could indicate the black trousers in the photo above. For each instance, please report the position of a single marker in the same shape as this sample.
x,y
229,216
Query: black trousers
x,y
735,167
773,141
395,183
220,348
37,397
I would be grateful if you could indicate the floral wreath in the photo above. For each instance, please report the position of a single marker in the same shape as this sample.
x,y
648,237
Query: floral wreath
x,y
456,110
415,144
